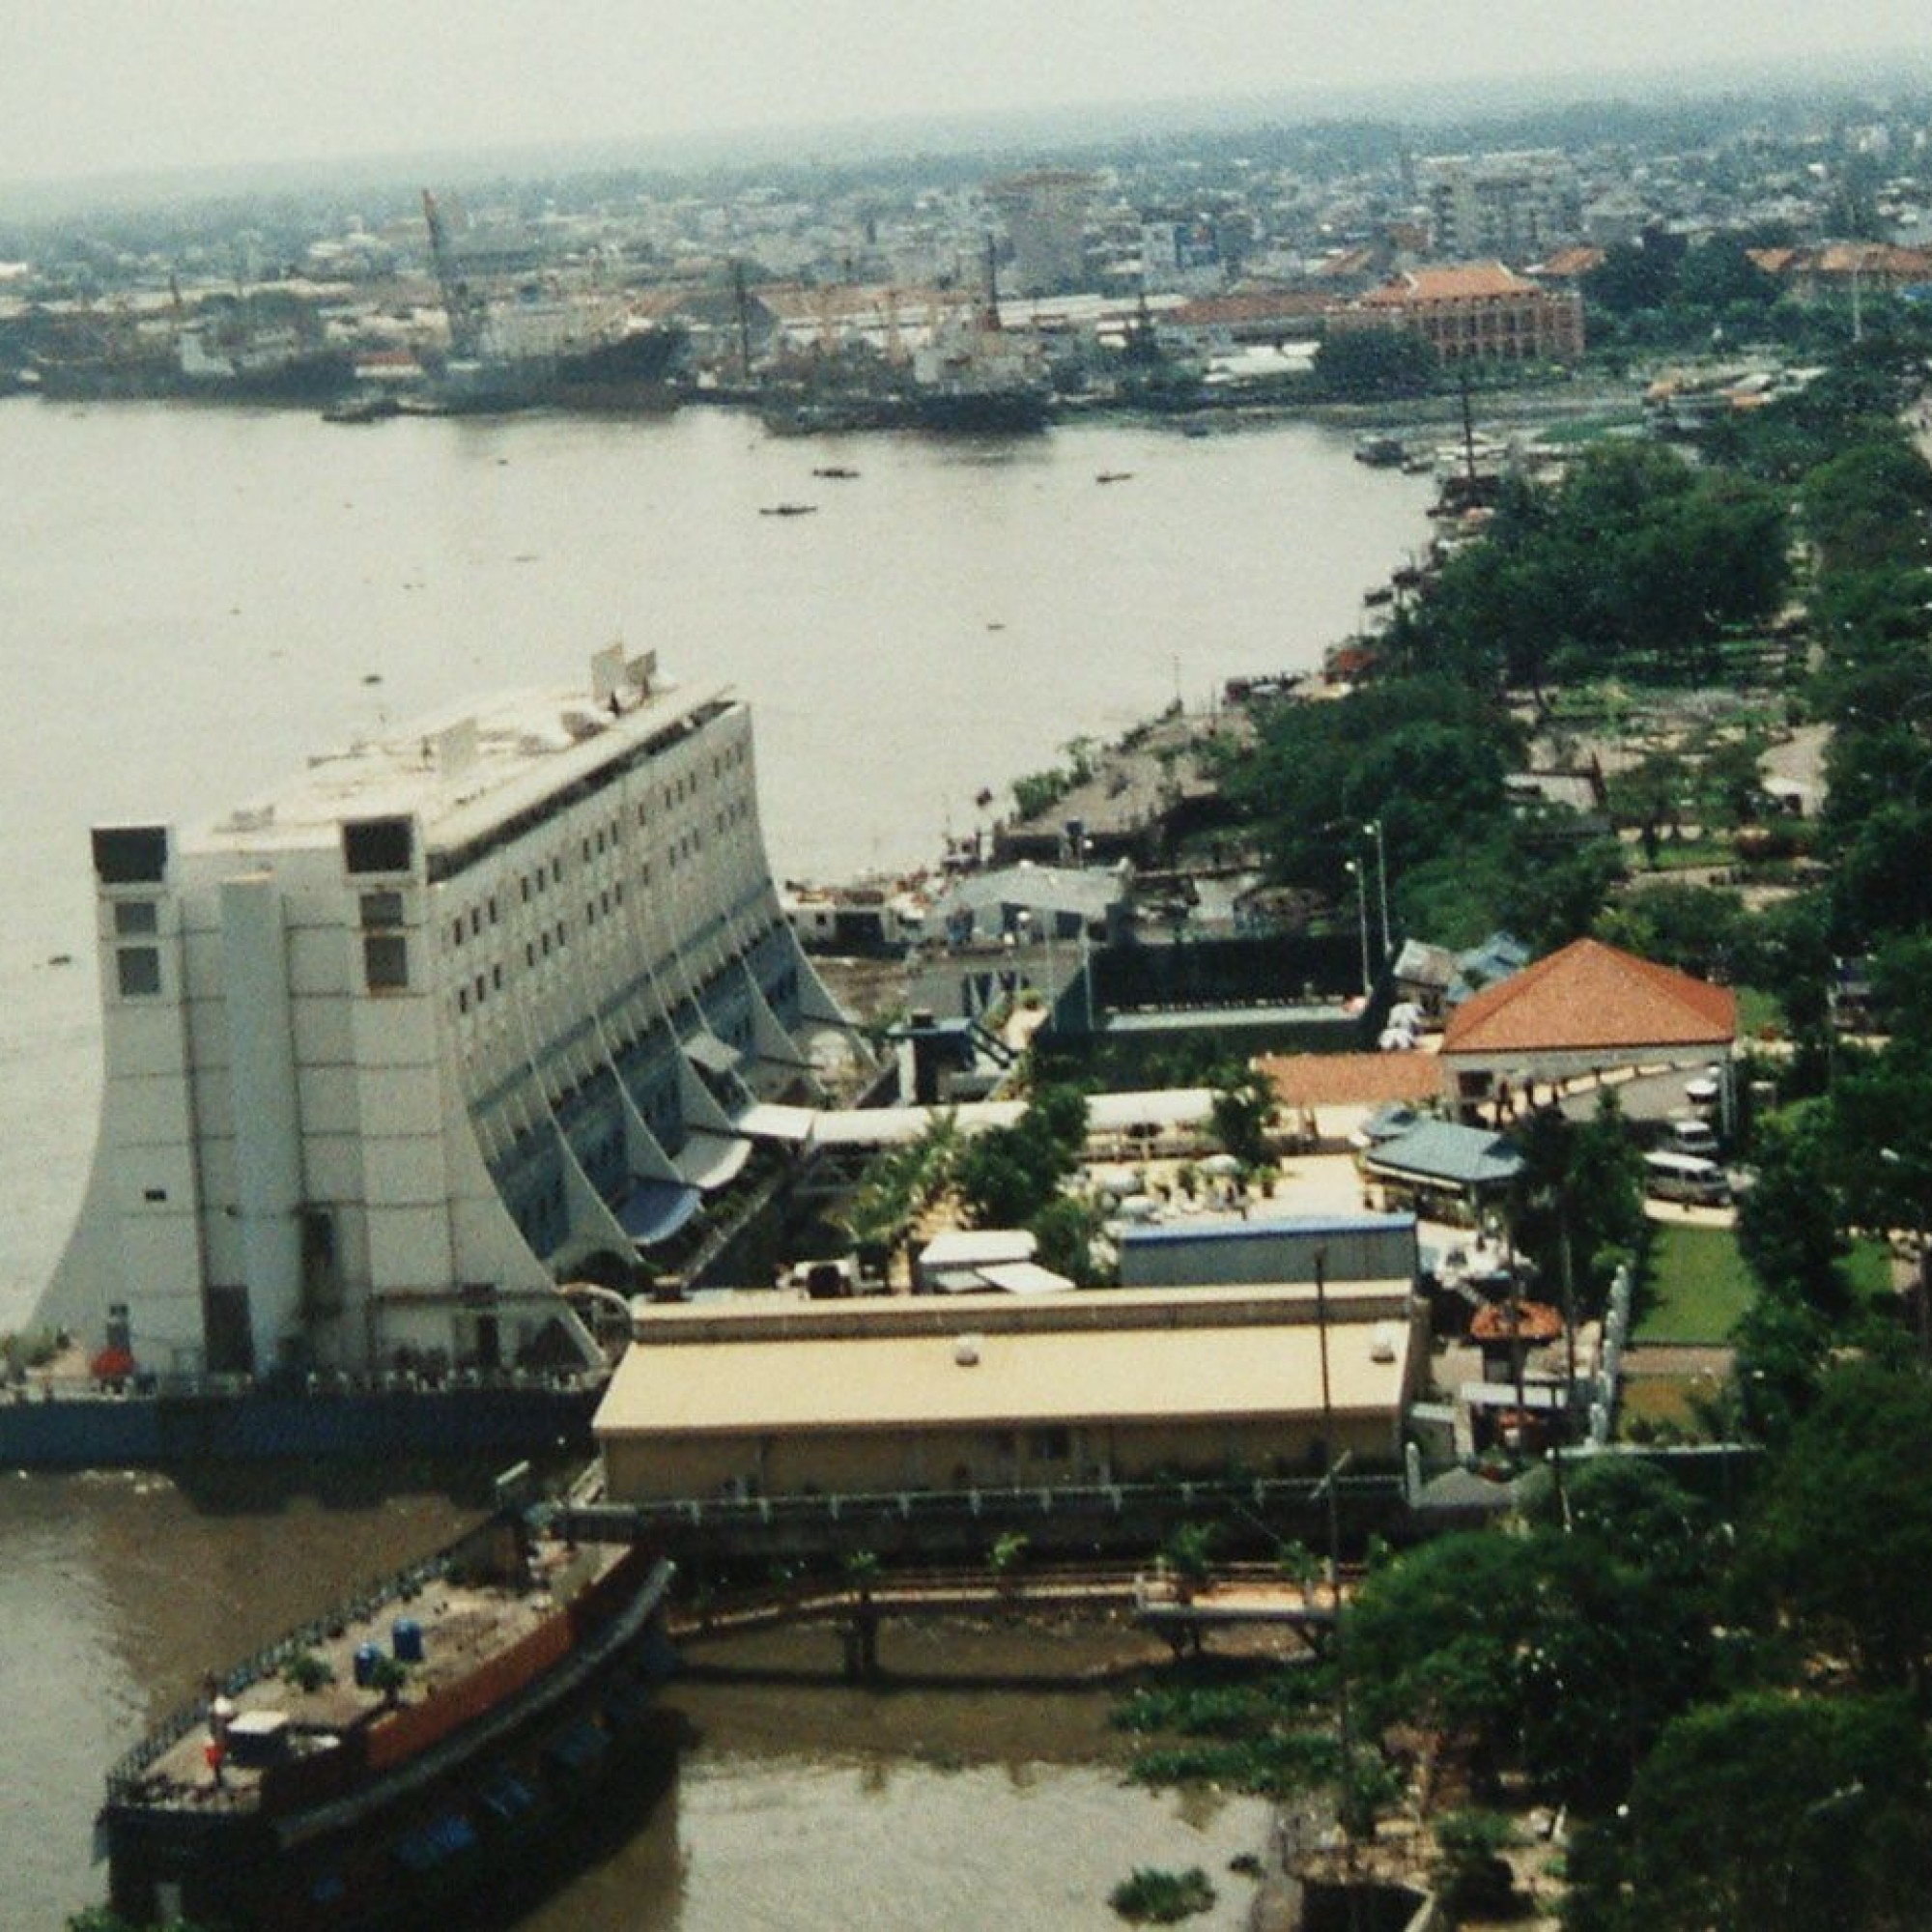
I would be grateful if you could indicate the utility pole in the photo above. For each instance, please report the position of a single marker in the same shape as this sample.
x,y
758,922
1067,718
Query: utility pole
x,y
1374,830
1361,918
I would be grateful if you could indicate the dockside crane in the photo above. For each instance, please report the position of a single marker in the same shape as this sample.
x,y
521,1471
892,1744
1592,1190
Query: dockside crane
x,y
463,307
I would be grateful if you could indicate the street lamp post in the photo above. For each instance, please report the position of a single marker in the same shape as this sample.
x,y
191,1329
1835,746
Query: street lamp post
x,y
1374,830
1361,918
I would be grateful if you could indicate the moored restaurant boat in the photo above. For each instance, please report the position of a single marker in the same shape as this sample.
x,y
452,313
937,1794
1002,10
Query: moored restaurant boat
x,y
440,1738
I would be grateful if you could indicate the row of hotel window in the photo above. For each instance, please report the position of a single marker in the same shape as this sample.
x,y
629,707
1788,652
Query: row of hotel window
x,y
549,873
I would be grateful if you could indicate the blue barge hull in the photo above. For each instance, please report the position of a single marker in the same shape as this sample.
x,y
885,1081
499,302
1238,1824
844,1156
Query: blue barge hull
x,y
159,1431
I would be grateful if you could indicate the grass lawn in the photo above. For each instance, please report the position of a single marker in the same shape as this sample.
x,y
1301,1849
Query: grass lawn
x,y
1696,1285
1758,1012
1651,1402
1869,1270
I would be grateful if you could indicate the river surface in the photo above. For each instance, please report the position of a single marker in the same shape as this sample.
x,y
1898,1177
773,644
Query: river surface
x,y
193,600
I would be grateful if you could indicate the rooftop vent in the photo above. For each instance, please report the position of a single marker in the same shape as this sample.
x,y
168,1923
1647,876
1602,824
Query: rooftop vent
x,y
1381,1344
966,1350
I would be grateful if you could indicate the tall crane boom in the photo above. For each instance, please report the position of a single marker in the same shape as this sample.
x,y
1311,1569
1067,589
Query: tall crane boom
x,y
463,306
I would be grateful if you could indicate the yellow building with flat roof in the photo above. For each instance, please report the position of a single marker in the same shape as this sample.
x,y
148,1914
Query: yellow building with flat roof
x,y
991,1392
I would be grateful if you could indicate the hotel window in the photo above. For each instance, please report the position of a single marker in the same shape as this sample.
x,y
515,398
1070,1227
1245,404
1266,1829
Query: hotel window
x,y
385,961
378,845
382,909
137,971
135,918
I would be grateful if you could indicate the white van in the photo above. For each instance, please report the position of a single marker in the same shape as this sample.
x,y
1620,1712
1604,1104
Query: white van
x,y
1685,1177
1698,1137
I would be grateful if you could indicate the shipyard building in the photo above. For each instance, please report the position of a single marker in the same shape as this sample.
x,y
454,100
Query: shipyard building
x,y
456,1017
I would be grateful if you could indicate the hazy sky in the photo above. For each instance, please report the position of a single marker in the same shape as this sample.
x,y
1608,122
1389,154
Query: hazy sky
x,y
103,86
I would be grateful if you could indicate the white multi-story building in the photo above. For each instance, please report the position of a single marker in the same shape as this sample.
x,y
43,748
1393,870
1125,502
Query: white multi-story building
x,y
1516,207
457,1016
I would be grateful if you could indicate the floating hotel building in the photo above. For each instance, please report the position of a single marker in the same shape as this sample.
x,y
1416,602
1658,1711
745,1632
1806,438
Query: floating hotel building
x,y
457,1017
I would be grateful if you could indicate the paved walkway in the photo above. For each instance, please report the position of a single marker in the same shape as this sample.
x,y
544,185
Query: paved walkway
x,y
1677,1360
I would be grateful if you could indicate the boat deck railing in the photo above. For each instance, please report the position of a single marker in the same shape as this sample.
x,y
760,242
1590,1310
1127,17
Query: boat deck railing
x,y
724,1514
41,1386
125,1780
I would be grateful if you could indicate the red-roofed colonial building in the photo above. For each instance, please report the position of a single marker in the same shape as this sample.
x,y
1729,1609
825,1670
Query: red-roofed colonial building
x,y
1587,1008
1474,311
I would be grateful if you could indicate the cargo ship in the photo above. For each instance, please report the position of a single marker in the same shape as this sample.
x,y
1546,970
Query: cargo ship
x,y
451,1736
544,349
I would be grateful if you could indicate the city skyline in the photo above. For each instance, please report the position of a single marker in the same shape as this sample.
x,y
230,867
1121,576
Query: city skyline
x,y
187,85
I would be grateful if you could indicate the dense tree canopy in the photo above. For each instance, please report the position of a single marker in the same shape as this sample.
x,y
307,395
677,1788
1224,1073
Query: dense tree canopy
x,y
1374,365
1768,1813
1839,1542
1636,565
1561,1651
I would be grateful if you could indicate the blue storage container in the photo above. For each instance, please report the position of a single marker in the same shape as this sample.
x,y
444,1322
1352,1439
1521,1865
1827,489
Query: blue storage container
x,y
406,1640
366,1655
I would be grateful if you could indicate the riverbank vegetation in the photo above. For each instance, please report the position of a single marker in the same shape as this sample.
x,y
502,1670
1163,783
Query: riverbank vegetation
x,y
1724,1689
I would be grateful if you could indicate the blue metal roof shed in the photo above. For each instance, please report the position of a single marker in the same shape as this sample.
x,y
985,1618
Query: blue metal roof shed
x,y
1446,1157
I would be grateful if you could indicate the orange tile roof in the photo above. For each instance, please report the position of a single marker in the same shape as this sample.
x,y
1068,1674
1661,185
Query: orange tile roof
x,y
1591,996
1351,1079
1464,281
1249,306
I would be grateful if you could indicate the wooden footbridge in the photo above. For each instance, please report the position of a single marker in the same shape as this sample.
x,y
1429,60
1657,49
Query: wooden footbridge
x,y
1184,1612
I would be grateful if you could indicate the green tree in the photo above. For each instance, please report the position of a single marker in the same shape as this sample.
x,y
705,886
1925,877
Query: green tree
x,y
1767,1813
1560,1652
1065,1229
1242,1112
1839,1542
1635,275
1435,1639
1374,366
1788,1222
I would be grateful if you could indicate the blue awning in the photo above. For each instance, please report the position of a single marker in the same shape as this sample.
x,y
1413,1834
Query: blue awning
x,y
654,1210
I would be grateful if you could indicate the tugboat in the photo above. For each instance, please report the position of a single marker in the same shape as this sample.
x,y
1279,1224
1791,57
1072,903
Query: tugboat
x,y
433,1740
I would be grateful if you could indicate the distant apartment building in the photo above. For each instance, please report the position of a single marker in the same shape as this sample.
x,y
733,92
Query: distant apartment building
x,y
1515,206
1179,257
1476,311
1045,215
457,1015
